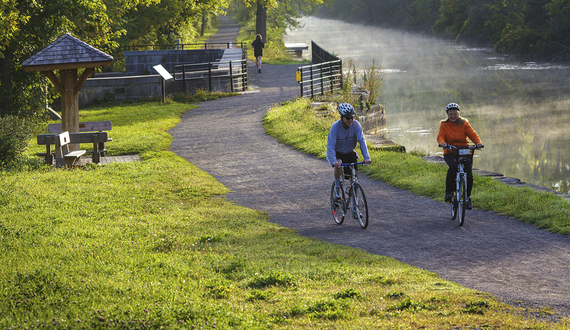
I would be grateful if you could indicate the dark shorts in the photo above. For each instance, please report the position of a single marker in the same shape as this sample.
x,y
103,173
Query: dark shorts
x,y
347,158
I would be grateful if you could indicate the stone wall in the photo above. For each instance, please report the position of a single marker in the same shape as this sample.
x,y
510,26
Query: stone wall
x,y
140,79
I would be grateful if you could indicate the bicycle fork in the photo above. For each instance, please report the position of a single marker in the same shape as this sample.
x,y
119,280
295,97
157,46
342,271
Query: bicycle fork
x,y
458,179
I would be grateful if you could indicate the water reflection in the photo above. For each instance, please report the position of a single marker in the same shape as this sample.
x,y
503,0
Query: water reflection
x,y
520,109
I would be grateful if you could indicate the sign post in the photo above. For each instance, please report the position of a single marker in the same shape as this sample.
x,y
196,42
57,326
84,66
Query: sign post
x,y
165,76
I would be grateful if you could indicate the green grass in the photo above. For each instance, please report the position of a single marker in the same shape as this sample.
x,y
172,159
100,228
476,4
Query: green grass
x,y
156,245
295,124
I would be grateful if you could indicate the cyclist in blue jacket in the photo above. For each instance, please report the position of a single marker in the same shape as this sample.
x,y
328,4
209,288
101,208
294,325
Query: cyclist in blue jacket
x,y
342,139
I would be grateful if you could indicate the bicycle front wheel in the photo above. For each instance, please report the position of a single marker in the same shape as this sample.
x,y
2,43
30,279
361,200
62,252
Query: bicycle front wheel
x,y
453,207
360,206
337,206
462,203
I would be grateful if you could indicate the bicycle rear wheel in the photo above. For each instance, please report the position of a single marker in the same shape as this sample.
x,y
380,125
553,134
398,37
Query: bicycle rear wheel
x,y
361,206
337,205
462,203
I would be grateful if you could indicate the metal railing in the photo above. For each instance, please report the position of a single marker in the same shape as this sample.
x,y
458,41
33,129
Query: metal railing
x,y
235,72
178,46
325,76
318,79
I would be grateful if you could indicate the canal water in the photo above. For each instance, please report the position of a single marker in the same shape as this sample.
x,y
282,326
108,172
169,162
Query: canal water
x,y
519,108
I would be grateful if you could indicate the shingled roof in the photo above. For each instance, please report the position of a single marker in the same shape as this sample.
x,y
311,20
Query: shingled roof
x,y
67,52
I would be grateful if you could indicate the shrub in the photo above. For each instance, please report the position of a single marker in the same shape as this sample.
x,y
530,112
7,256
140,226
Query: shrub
x,y
15,135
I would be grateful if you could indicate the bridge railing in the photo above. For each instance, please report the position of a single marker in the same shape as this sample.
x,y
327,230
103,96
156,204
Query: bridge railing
x,y
222,75
179,46
324,76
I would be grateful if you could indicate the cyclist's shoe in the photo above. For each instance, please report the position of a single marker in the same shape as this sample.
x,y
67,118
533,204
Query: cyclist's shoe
x,y
448,197
468,205
336,193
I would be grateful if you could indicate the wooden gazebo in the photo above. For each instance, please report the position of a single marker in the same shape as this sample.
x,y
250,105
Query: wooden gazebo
x,y
68,54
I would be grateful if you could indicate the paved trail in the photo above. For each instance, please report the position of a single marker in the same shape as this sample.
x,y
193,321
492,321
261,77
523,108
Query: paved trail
x,y
490,253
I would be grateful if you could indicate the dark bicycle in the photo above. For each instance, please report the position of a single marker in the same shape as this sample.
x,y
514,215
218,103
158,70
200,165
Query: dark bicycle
x,y
459,198
352,199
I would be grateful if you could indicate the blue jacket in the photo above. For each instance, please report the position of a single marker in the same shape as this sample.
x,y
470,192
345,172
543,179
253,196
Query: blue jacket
x,y
344,140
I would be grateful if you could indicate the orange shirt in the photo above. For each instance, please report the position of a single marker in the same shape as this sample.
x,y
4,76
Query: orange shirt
x,y
455,134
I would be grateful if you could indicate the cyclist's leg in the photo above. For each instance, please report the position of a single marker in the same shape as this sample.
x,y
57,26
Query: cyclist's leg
x,y
468,168
337,186
451,162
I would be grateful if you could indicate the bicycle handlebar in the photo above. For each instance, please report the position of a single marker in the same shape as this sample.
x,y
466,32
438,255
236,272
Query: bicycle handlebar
x,y
348,164
472,147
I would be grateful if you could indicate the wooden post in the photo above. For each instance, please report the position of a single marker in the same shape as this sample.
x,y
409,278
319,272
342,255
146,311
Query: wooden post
x,y
69,102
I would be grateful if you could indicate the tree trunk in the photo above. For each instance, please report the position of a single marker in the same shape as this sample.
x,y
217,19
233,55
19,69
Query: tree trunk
x,y
204,21
261,21
6,83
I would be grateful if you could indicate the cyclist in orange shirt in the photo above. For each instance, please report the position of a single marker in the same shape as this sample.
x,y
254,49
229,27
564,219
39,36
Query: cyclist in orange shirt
x,y
454,131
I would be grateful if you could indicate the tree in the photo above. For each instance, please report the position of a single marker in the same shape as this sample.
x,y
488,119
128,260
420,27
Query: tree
x,y
280,13
35,24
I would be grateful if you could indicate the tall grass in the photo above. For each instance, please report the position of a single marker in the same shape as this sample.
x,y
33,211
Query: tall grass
x,y
155,245
294,123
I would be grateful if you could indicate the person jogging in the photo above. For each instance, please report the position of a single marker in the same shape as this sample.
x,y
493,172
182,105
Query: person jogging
x,y
258,46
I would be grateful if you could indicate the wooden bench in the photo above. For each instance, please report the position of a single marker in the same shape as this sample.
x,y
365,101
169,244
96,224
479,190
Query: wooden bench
x,y
64,157
97,137
296,48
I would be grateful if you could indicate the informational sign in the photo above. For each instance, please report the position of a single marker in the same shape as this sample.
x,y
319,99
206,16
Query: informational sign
x,y
162,72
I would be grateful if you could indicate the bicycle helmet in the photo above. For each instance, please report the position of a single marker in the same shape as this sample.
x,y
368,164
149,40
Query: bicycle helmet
x,y
346,110
452,106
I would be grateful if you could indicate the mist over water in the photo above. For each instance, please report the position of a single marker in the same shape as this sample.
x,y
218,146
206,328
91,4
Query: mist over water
x,y
521,110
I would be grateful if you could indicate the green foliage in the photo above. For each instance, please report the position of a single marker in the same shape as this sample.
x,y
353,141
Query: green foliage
x,y
275,278
373,78
477,307
515,27
348,294
15,135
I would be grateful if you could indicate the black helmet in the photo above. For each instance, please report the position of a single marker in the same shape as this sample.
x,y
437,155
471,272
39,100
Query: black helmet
x,y
452,106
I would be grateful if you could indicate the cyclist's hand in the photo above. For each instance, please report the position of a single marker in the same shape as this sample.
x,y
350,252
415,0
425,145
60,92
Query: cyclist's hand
x,y
337,163
443,145
479,145
367,161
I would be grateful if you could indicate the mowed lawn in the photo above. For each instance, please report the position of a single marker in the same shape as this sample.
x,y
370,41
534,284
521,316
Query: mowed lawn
x,y
155,245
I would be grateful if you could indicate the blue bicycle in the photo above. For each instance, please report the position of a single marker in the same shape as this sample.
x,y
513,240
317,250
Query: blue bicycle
x,y
352,199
